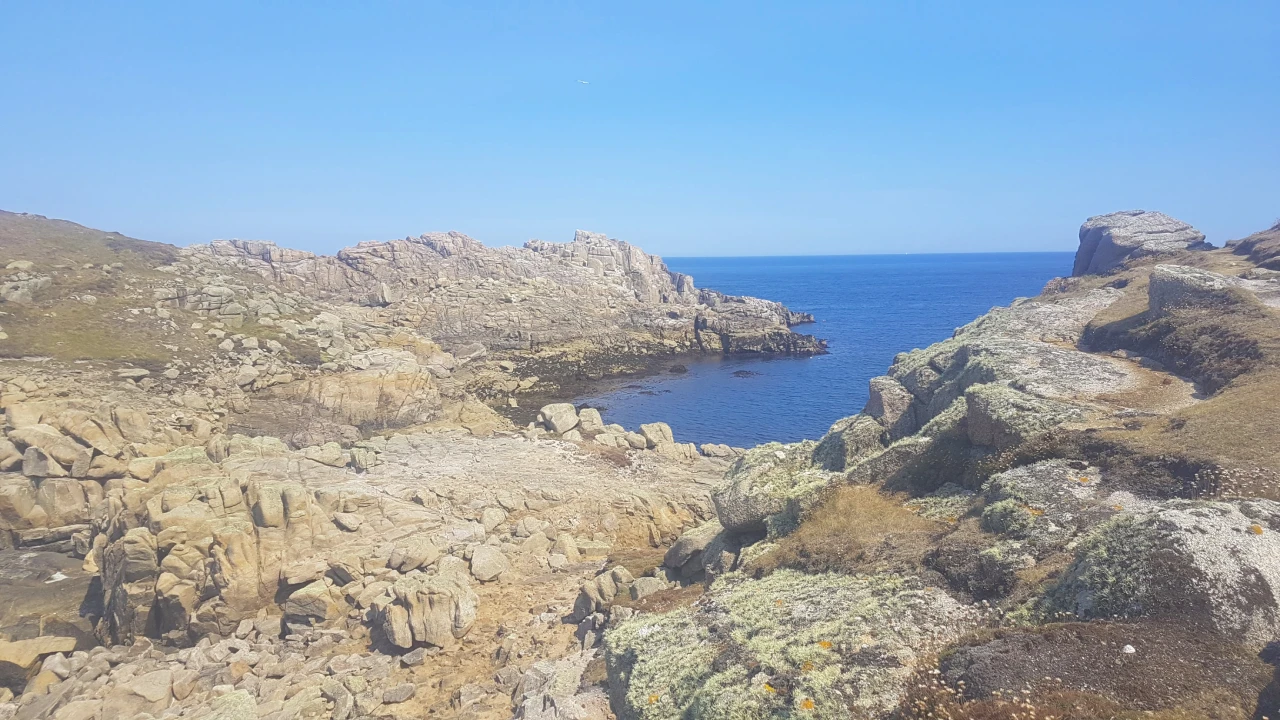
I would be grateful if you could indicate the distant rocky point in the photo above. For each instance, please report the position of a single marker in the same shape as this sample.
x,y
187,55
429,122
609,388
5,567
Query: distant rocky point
x,y
457,290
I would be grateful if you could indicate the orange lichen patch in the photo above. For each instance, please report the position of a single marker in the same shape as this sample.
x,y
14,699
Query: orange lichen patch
x,y
1255,529
806,704
653,698
824,644
806,667
1037,512
1117,508
1085,480
778,603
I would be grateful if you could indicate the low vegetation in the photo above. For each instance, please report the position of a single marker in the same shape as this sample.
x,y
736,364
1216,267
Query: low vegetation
x,y
855,529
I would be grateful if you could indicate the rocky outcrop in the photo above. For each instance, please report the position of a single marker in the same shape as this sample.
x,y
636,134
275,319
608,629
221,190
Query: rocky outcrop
x,y
765,482
792,643
1215,565
458,291
1106,241
435,610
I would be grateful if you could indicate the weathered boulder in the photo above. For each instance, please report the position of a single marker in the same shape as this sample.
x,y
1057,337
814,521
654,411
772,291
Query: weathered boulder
x,y
129,571
20,659
657,433
413,554
1106,241
10,456
685,554
1211,565
558,417
1000,417
836,643
435,610
328,454
764,481
889,403
316,603
52,443
488,562
36,463
17,500
590,420
849,441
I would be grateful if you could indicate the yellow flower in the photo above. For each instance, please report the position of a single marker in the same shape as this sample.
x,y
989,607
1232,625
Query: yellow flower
x,y
1085,481
825,644
806,704
769,688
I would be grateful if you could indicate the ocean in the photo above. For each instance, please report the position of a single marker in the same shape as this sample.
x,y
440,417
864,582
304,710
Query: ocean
x,y
868,308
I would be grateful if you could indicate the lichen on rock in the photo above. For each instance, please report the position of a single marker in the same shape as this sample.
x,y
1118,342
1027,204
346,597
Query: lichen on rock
x,y
829,645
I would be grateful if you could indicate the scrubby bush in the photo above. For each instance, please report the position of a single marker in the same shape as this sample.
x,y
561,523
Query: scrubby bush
x,y
1008,517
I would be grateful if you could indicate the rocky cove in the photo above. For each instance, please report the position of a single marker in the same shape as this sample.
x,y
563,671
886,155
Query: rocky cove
x,y
243,481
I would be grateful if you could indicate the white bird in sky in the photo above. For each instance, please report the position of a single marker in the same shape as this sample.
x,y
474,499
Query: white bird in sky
x,y
584,82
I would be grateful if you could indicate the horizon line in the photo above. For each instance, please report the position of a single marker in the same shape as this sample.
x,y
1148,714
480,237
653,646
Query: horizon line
x,y
902,254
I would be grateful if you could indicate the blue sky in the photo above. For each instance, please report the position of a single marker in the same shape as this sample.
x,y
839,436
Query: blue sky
x,y
729,128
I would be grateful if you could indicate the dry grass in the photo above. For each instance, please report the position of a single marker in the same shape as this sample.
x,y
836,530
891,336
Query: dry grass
x,y
856,529
70,330
1233,351
1078,670
665,600
638,559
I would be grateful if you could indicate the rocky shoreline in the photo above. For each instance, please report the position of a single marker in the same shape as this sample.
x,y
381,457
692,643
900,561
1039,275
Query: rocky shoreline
x,y
241,481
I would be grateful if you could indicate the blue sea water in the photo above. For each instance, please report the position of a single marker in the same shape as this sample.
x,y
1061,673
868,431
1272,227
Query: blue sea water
x,y
868,307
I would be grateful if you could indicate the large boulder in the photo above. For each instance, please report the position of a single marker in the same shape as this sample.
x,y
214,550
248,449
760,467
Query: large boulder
x,y
591,420
1000,417
685,554
788,645
436,610
129,572
849,441
20,659
1212,565
889,403
488,562
47,439
316,603
657,433
764,482
1106,241
558,417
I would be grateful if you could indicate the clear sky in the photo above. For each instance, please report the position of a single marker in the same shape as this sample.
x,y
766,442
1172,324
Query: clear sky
x,y
730,128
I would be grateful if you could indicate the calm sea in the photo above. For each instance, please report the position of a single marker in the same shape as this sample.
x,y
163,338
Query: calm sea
x,y
868,308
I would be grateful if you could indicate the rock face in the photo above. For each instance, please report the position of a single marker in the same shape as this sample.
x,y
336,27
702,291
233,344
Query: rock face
x,y
1106,241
